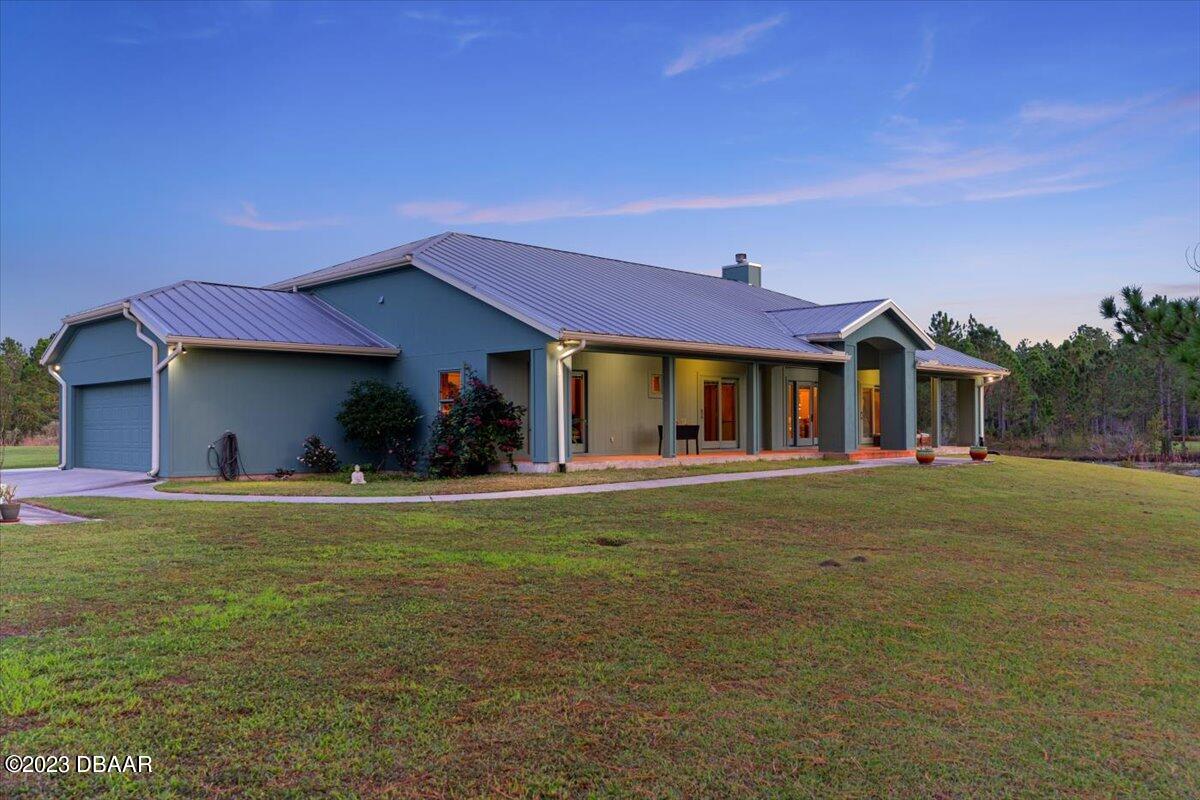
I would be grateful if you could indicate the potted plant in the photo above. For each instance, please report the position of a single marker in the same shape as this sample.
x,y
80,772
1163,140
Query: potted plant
x,y
978,452
9,511
925,455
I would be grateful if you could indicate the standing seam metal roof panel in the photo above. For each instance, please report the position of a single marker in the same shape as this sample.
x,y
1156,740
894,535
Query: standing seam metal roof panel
x,y
239,313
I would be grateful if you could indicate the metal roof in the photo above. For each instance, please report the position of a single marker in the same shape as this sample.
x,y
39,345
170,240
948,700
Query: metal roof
x,y
951,359
559,292
823,320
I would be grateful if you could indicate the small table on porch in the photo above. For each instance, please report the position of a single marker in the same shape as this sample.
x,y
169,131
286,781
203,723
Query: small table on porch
x,y
688,433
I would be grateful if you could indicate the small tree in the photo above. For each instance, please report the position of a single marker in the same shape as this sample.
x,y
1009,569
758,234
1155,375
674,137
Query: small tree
x,y
480,428
382,418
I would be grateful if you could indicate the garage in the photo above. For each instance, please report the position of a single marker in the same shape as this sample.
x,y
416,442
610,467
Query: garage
x,y
112,425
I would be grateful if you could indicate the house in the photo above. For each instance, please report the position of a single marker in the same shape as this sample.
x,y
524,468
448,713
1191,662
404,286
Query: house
x,y
612,359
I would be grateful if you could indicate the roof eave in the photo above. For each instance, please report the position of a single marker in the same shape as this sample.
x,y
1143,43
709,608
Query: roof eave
x,y
702,348
930,366
286,347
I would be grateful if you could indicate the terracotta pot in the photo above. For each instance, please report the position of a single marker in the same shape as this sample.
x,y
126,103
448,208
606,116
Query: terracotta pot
x,y
979,453
925,456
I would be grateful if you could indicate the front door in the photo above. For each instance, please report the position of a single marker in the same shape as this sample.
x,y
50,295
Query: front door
x,y
579,408
800,425
719,413
868,415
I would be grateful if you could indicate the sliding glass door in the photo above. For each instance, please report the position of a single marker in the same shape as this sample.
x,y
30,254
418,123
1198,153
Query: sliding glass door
x,y
719,413
800,424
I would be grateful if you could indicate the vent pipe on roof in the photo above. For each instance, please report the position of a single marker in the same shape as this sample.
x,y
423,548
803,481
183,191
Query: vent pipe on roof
x,y
743,270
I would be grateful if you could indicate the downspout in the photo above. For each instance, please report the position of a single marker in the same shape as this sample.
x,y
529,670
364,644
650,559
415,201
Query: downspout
x,y
62,423
563,444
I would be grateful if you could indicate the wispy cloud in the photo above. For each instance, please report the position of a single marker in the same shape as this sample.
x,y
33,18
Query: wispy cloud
x,y
466,28
1077,114
923,64
770,76
719,46
250,218
922,165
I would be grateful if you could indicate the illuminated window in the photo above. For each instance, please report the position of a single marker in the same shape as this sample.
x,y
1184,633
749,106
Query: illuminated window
x,y
449,385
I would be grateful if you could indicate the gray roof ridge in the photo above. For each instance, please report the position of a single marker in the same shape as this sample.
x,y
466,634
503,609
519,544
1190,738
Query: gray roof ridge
x,y
607,258
826,305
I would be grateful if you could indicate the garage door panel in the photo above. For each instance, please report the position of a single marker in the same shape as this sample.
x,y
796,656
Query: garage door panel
x,y
112,426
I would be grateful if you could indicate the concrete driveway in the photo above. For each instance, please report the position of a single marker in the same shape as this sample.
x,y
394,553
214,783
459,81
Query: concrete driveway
x,y
54,482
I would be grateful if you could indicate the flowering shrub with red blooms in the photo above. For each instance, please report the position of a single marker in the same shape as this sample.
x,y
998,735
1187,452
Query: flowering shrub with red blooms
x,y
480,429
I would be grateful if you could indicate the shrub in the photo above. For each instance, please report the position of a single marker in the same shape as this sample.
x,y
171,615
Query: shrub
x,y
480,428
382,418
318,456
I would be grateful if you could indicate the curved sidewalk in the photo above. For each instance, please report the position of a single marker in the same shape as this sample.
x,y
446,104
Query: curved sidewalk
x,y
146,491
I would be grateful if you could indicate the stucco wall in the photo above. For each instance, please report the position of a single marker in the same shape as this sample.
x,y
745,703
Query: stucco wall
x,y
270,400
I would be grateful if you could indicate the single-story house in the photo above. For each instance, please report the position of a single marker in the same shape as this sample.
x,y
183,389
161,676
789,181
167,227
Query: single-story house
x,y
611,359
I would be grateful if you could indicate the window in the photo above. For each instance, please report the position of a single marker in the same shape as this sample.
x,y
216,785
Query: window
x,y
449,385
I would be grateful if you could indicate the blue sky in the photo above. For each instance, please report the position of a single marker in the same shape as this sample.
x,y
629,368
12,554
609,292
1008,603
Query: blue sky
x,y
1012,161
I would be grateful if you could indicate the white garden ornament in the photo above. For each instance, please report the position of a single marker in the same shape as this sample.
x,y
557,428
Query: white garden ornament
x,y
357,477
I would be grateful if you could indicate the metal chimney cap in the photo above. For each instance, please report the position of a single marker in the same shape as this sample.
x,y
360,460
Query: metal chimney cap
x,y
741,258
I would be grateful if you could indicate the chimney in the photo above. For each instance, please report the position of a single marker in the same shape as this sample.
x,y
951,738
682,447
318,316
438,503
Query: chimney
x,y
744,271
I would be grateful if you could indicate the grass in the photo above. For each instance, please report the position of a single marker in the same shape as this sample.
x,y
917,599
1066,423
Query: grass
x,y
30,456
1028,628
399,484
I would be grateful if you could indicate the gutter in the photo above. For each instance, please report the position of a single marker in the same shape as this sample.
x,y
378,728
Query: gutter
x,y
702,348
62,422
289,347
563,444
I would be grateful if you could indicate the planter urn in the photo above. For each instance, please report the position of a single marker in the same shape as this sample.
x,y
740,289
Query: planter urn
x,y
10,512
978,453
925,456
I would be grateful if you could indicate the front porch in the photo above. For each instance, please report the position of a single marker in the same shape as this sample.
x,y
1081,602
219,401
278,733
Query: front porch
x,y
621,408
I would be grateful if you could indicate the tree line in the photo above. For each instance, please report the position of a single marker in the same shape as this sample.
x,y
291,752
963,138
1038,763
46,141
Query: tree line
x,y
28,395
1127,393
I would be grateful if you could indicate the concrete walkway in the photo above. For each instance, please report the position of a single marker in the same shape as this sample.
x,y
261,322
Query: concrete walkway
x,y
145,491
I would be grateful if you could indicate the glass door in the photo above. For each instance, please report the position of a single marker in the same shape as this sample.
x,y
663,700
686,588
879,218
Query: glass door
x,y
579,423
868,415
719,413
800,425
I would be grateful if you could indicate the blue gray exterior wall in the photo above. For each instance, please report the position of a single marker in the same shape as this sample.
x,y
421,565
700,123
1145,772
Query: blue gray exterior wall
x,y
271,400
439,327
105,351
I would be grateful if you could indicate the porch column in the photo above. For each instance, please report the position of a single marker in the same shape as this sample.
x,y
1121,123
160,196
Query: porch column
x,y
898,390
774,421
669,444
753,409
543,419
935,411
970,411
837,407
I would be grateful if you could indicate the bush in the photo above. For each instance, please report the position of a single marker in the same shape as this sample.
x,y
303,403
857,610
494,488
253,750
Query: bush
x,y
382,418
318,456
480,428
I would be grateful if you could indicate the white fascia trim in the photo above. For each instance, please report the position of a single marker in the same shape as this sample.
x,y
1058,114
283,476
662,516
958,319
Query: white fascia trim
x,y
50,348
886,305
658,345
111,310
288,347
933,366
403,261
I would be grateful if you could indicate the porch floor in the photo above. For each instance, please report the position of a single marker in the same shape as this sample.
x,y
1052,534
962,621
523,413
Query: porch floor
x,y
647,460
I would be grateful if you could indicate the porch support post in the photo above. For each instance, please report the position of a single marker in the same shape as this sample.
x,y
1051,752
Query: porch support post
x,y
898,387
669,444
777,393
935,410
837,405
970,412
753,409
543,421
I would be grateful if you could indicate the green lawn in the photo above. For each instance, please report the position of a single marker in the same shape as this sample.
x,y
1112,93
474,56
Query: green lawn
x,y
396,484
1028,628
30,456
